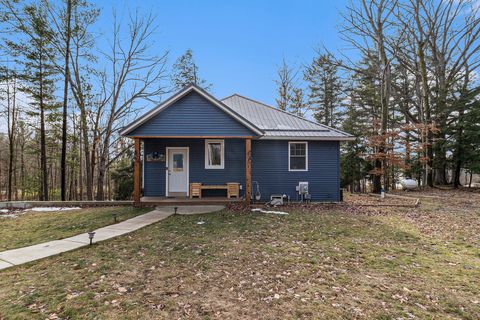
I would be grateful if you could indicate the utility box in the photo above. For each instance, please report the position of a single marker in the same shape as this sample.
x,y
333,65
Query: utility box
x,y
302,188
277,199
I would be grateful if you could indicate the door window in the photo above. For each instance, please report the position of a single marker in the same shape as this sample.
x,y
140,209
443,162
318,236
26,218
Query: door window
x,y
178,162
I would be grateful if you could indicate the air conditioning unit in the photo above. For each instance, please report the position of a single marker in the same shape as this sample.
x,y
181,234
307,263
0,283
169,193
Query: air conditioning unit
x,y
302,188
278,199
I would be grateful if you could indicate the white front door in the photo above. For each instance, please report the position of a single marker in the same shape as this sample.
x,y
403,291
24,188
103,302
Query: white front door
x,y
177,173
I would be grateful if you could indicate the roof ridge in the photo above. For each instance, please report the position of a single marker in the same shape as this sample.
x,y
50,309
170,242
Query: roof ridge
x,y
224,105
286,112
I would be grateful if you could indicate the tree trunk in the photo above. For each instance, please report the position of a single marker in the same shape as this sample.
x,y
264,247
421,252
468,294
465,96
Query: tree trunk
x,y
15,173
40,175
427,111
385,92
80,170
11,117
22,165
103,156
1,191
377,179
63,182
408,170
102,168
456,175
77,90
43,151
86,153
458,155
440,157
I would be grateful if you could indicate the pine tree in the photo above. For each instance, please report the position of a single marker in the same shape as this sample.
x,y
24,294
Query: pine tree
x,y
298,105
291,97
34,55
325,90
284,84
354,168
185,72
365,95
466,130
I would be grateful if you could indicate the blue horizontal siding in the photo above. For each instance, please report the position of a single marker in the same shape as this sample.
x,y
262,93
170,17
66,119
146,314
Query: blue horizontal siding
x,y
192,115
154,172
270,169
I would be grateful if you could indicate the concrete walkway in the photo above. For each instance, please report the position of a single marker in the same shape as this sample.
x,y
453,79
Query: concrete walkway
x,y
19,256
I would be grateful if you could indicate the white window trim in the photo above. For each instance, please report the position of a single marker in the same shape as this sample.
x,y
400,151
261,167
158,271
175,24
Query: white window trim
x,y
306,155
222,160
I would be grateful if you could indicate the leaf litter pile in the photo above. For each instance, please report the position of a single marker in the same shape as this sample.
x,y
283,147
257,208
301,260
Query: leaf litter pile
x,y
352,260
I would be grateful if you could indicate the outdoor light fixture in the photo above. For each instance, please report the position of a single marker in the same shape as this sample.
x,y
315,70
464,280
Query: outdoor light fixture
x,y
90,236
175,208
114,215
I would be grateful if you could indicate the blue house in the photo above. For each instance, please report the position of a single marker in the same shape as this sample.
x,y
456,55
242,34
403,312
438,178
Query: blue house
x,y
198,148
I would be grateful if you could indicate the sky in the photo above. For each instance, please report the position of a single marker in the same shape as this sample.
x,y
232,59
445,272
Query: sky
x,y
238,45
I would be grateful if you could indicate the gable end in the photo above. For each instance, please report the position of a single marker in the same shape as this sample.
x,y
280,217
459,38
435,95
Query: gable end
x,y
192,114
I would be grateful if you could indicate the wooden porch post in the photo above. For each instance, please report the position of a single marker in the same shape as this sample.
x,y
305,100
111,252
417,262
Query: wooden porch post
x,y
136,174
248,169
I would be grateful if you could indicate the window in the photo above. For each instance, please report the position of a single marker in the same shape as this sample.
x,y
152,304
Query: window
x,y
214,154
178,162
298,156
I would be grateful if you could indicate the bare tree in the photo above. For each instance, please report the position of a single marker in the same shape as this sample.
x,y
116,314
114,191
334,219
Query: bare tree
x,y
9,88
135,75
81,78
291,96
65,99
285,86
442,41
453,33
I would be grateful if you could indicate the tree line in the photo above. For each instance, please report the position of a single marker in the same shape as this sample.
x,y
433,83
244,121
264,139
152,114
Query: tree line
x,y
406,86
64,97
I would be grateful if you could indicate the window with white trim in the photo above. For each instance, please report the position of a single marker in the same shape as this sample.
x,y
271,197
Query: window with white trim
x,y
297,156
214,154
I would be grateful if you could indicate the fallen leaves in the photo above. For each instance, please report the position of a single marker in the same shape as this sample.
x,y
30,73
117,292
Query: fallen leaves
x,y
122,289
345,260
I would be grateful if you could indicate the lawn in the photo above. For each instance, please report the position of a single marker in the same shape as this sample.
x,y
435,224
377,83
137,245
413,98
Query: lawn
x,y
35,227
326,262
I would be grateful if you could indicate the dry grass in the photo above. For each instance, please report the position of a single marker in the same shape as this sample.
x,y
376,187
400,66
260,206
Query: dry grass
x,y
326,262
30,228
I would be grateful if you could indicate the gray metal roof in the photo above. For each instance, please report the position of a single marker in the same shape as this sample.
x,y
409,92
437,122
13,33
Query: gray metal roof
x,y
278,124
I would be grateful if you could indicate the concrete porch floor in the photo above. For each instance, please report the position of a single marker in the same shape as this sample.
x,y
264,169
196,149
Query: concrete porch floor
x,y
167,201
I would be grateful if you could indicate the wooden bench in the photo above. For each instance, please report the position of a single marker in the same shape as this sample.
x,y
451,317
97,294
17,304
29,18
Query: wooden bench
x,y
233,189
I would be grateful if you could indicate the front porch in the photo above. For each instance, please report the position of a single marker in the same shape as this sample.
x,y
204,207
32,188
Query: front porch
x,y
167,169
185,201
